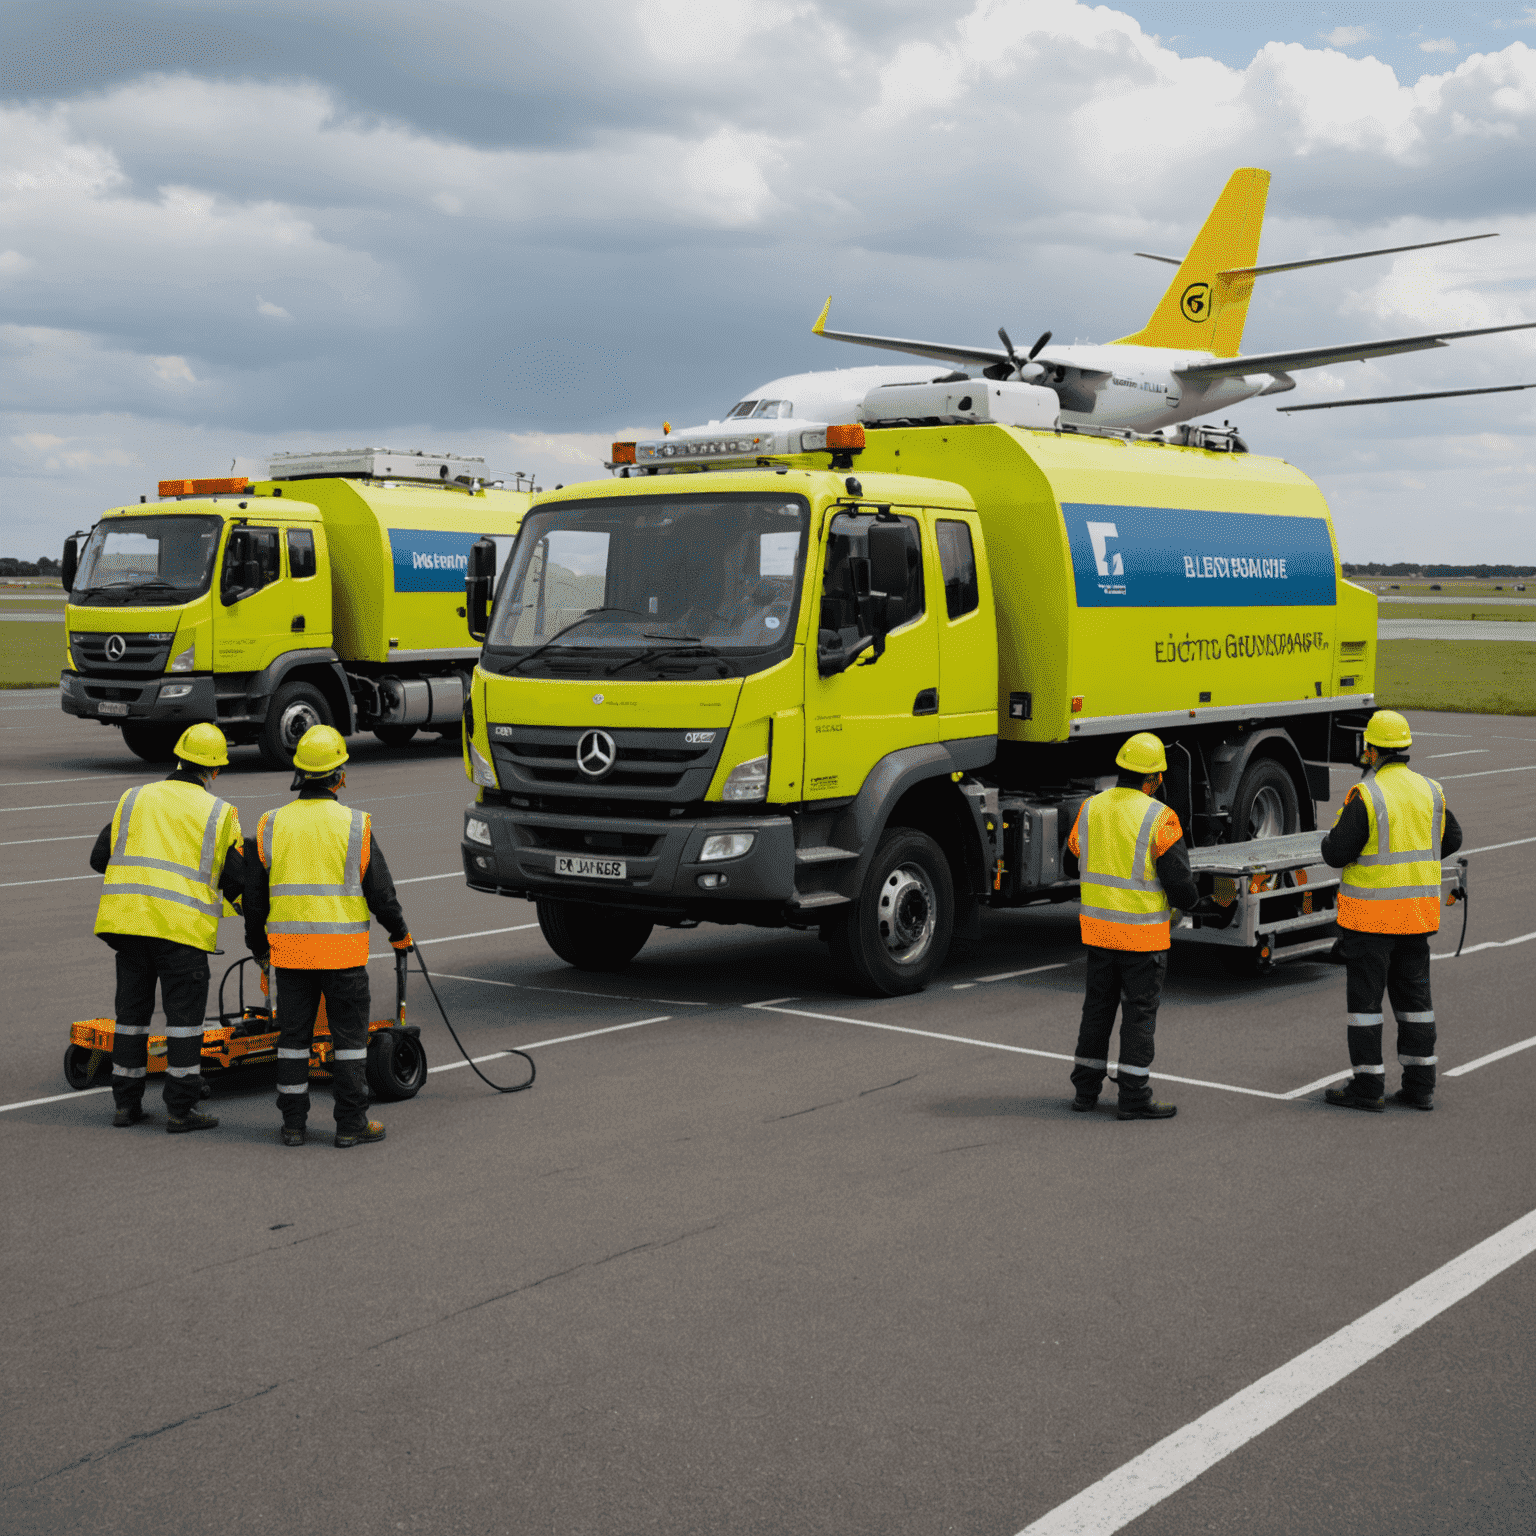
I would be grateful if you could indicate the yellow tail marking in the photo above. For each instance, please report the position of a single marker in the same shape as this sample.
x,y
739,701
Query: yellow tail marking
x,y
821,319
1203,311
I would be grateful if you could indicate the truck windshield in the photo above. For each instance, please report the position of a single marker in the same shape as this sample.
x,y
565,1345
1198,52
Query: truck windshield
x,y
655,578
144,561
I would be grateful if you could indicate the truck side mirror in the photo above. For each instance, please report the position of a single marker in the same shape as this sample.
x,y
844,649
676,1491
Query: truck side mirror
x,y
479,576
70,562
238,580
888,547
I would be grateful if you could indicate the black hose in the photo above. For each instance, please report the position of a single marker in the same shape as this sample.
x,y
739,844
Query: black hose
x,y
510,1051
1463,939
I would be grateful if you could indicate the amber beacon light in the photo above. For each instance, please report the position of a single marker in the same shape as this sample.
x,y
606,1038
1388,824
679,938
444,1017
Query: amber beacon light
x,y
229,485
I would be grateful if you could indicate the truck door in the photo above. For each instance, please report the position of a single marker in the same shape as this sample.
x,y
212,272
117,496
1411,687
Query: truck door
x,y
855,718
256,605
967,629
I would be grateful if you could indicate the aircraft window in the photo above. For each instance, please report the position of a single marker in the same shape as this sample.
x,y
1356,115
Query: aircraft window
x,y
844,580
957,559
741,408
301,553
771,408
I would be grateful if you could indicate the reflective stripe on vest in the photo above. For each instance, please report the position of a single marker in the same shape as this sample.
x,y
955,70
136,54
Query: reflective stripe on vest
x,y
1393,884
316,921
157,894
1124,905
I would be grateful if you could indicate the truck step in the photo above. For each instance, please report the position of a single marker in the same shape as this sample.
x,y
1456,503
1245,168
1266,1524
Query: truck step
x,y
819,899
824,855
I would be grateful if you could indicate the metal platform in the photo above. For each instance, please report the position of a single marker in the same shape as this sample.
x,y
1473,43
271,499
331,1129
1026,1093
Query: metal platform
x,y
1263,853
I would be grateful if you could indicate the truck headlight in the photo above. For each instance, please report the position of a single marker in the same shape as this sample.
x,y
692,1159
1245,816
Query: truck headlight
x,y
480,771
726,845
183,662
175,690
747,781
477,831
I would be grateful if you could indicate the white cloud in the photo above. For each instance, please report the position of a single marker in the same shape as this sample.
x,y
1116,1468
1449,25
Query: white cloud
x,y
270,310
1439,45
1346,37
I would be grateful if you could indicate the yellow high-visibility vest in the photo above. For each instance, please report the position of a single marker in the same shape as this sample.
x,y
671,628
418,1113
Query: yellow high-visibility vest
x,y
169,841
316,852
1124,905
1393,886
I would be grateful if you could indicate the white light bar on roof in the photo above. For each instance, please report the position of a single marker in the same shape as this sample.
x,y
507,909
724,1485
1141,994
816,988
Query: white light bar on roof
x,y
726,445
375,463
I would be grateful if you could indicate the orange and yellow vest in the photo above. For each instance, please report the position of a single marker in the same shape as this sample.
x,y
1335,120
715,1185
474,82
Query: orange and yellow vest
x,y
1118,837
1393,886
169,841
316,854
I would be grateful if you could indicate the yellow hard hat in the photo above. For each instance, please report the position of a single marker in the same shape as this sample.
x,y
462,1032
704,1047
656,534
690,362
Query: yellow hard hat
x,y
1142,753
1389,730
321,750
204,745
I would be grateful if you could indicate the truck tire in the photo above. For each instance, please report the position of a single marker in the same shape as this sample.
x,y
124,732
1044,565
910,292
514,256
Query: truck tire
x,y
79,1071
896,934
295,707
592,938
154,743
396,1066
394,735
1265,804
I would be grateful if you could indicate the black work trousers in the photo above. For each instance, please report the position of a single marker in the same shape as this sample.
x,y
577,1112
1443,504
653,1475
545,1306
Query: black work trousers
x,y
1132,981
346,1012
182,973
1397,964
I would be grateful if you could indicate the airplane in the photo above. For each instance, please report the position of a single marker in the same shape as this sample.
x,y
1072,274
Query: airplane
x,y
1184,362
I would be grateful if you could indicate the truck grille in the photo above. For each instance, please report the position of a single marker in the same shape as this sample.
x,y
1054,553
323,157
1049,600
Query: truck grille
x,y
576,840
142,655
647,764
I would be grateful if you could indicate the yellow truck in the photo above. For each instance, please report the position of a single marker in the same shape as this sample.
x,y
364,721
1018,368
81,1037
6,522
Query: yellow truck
x,y
330,593
787,689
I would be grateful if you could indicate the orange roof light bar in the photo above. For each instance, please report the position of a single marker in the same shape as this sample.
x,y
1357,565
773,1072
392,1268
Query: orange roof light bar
x,y
846,438
227,485
623,453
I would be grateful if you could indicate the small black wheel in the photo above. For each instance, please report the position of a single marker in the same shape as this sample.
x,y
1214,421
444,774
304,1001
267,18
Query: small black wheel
x,y
1265,804
294,709
395,735
397,1064
896,935
592,938
79,1072
153,743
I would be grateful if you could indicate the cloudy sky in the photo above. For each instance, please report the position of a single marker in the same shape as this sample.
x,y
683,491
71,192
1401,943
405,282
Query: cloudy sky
x,y
236,226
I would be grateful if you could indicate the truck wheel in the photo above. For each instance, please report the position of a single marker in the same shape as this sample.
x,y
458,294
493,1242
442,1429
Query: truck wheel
x,y
592,938
1265,804
896,935
294,709
396,1066
394,735
78,1070
154,743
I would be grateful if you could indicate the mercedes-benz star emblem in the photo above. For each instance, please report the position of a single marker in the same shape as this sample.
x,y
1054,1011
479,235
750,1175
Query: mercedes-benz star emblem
x,y
596,754
116,648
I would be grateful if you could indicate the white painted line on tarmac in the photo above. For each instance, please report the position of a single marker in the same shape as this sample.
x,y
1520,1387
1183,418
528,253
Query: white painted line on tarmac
x,y
1130,1491
612,1029
1465,752
1525,938
1485,773
1033,970
458,874
448,938
56,1098
81,778
1322,1082
52,880
611,997
63,805
1518,842
74,837
1483,1061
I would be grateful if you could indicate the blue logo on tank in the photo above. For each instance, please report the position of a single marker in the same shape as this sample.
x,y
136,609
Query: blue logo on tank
x,y
1167,557
429,561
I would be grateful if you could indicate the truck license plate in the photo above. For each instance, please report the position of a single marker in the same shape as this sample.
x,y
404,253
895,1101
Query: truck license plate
x,y
109,708
591,869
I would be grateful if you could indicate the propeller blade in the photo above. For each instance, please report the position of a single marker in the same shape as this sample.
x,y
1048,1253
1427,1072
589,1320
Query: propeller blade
x,y
1013,356
1045,337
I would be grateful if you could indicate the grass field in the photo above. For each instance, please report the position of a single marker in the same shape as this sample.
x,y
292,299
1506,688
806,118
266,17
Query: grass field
x,y
1526,614
31,655
1495,677
1449,587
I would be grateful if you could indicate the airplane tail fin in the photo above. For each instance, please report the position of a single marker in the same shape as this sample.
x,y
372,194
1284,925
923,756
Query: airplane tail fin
x,y
1203,311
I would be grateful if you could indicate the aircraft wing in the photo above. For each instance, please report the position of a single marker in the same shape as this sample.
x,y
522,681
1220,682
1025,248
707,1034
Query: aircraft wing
x,y
1438,394
1321,261
1321,357
939,351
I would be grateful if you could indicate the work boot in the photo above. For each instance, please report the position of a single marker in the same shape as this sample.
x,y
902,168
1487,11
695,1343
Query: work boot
x,y
1347,1098
1084,1102
293,1136
133,1114
372,1131
193,1120
1147,1109
1413,1098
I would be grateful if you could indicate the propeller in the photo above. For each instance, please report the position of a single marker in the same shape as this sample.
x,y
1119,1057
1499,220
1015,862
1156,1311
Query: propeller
x,y
1013,356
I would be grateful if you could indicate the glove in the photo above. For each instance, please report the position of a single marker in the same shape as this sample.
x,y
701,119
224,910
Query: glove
x,y
404,945
264,961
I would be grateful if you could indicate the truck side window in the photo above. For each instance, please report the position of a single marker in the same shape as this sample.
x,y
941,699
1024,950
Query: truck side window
x,y
957,559
847,549
301,553
247,545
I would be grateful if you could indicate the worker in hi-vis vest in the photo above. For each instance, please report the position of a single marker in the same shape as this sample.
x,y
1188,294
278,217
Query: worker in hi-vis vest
x,y
1130,859
171,855
1389,837
317,876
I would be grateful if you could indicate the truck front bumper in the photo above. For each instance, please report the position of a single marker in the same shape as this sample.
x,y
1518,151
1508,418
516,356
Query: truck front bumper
x,y
172,700
663,870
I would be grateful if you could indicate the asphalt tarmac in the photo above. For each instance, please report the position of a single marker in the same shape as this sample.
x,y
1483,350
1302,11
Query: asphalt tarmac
x,y
833,1265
